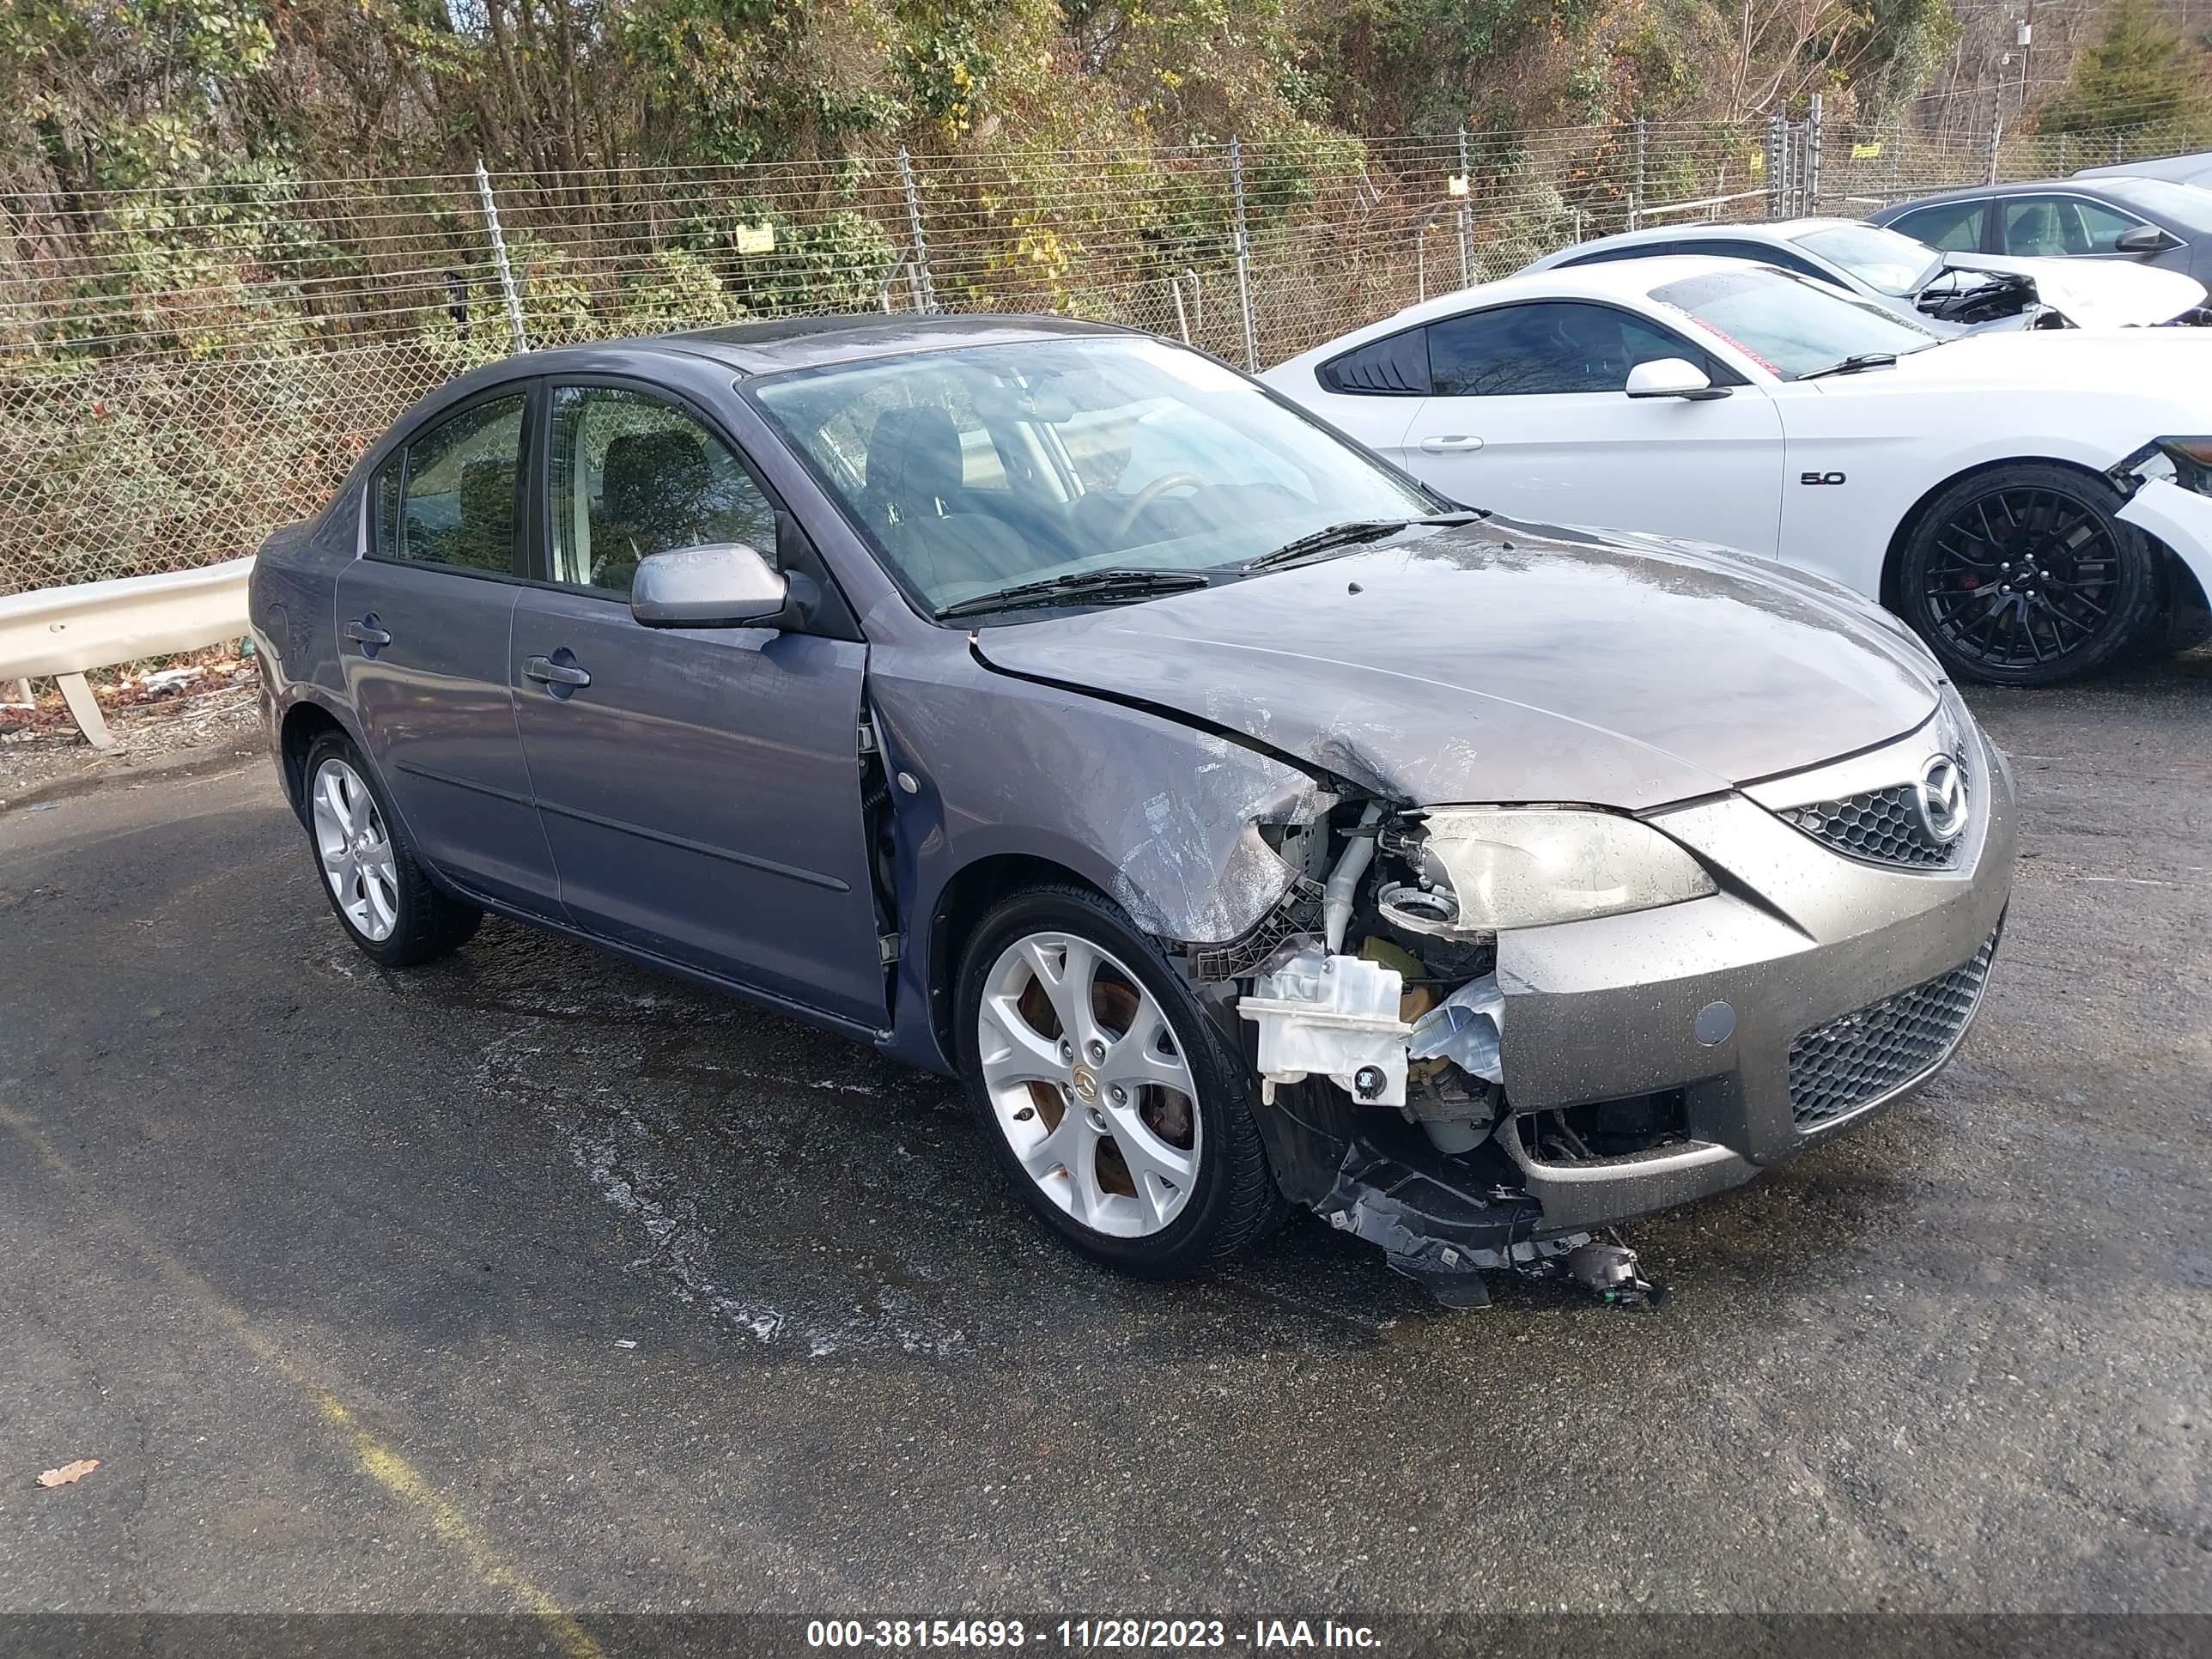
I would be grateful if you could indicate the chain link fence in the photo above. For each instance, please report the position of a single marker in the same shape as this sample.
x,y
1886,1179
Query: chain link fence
x,y
183,369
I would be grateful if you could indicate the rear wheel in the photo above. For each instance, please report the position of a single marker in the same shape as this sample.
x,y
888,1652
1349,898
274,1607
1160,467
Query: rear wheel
x,y
1113,1101
368,871
2025,575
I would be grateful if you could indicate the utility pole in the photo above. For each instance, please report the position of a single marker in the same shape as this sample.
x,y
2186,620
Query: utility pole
x,y
1997,134
498,259
1243,255
1466,213
1812,175
1636,190
924,291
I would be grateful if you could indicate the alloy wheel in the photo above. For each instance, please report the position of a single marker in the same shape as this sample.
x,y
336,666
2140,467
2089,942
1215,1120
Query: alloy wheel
x,y
354,849
2023,578
1088,1084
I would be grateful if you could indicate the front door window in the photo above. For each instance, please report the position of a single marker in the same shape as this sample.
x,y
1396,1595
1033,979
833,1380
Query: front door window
x,y
632,476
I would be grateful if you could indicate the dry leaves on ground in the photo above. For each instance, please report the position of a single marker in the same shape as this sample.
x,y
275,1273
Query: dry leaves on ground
x,y
70,1474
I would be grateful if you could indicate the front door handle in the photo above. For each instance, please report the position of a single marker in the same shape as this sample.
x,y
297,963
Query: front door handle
x,y
367,632
559,677
1451,443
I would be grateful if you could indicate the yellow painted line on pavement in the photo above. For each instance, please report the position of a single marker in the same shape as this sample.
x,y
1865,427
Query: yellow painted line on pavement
x,y
391,1471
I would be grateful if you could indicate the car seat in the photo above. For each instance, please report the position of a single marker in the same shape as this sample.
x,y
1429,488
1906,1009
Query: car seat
x,y
654,492
2034,231
916,498
484,540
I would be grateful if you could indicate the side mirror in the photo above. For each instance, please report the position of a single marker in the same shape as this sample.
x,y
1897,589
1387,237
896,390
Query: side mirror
x,y
1673,377
720,585
2144,239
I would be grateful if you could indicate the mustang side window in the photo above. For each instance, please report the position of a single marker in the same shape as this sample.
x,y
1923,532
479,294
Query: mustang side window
x,y
1518,351
633,476
448,498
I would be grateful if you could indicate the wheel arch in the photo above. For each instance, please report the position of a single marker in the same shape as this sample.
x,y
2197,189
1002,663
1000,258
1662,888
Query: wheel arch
x,y
300,726
962,903
2178,582
1892,562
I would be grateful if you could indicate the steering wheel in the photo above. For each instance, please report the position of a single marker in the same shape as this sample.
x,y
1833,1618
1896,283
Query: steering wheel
x,y
1151,492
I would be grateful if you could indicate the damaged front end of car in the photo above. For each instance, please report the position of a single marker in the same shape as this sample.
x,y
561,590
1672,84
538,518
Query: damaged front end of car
x,y
1375,1011
1979,301
1977,298
1483,1035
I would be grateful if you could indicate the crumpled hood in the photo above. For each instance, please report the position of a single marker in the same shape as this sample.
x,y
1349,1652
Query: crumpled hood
x,y
1510,662
2096,293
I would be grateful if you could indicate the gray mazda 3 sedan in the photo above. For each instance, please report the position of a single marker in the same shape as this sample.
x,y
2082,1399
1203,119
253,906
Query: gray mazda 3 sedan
x,y
1054,707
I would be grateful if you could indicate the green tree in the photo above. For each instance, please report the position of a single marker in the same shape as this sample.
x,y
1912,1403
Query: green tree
x,y
2142,75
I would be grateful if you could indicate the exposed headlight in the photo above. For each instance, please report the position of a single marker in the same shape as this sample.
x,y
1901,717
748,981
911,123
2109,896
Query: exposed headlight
x,y
2188,459
1486,868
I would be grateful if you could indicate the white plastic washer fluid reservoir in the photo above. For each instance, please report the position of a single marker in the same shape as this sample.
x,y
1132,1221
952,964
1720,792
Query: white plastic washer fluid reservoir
x,y
1334,1015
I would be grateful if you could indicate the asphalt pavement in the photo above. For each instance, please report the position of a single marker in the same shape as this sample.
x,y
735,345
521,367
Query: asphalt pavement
x,y
533,1283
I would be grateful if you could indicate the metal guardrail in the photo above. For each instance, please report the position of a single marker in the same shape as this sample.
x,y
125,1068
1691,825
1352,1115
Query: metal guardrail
x,y
64,631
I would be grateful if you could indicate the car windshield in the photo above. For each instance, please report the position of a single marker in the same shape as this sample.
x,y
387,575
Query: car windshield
x,y
2185,205
977,469
1791,326
1884,260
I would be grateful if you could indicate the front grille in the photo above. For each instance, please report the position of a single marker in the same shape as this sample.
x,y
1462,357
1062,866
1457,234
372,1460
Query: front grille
x,y
1881,826
1837,1068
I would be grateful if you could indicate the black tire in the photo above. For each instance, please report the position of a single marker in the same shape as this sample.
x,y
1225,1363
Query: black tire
x,y
1234,1200
2091,588
427,924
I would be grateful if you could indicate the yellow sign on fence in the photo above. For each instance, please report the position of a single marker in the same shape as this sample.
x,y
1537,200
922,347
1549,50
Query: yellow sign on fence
x,y
1866,152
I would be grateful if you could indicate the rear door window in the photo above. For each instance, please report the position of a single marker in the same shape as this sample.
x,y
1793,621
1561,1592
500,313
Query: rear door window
x,y
448,498
1951,226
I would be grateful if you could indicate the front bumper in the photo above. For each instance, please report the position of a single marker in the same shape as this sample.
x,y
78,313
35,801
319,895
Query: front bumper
x,y
1803,948
2180,518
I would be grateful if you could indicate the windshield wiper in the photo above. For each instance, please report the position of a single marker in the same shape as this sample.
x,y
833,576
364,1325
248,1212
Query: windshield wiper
x,y
1853,364
1078,585
1351,533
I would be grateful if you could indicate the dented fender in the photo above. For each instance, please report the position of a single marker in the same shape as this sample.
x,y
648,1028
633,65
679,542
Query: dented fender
x,y
1158,815
2180,518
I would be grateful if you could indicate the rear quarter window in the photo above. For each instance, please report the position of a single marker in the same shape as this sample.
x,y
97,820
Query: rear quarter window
x,y
1395,366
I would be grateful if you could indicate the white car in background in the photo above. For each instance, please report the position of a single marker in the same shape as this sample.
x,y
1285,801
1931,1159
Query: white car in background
x,y
2035,505
1950,293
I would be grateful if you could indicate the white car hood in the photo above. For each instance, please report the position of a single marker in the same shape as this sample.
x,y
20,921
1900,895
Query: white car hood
x,y
2099,293
2172,365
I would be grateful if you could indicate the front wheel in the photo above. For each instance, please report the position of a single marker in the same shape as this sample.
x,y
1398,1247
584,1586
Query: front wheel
x,y
1114,1102
2025,576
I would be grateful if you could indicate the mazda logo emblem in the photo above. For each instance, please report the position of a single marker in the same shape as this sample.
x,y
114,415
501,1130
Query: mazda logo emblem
x,y
1940,798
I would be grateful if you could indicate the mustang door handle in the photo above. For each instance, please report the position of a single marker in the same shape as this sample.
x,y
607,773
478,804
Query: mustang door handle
x,y
546,672
1449,444
367,632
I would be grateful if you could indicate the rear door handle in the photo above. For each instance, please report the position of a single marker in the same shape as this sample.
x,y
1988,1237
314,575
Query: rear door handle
x,y
548,672
366,632
1449,444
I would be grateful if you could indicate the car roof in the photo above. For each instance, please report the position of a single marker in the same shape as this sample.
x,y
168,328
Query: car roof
x,y
2077,185
745,350
1775,230
2173,169
1617,279
773,345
